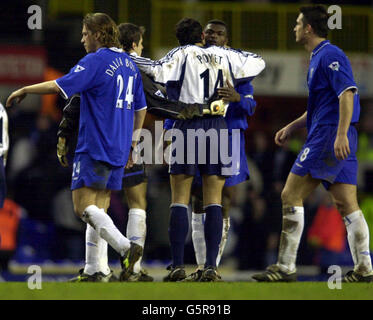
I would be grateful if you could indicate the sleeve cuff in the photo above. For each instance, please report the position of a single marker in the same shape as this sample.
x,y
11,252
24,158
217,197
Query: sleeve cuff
x,y
348,88
63,93
146,107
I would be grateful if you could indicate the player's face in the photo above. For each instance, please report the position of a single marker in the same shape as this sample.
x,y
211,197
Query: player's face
x,y
138,47
299,30
215,35
89,41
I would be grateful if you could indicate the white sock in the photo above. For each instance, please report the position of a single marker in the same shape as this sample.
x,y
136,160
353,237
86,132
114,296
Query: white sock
x,y
136,231
103,256
198,238
358,240
292,228
92,264
106,229
224,238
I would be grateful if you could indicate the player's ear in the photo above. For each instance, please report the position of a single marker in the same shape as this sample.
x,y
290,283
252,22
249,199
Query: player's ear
x,y
97,35
134,45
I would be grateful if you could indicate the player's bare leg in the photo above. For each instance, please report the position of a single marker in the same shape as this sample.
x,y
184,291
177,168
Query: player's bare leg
x,y
85,205
296,189
136,225
345,198
178,229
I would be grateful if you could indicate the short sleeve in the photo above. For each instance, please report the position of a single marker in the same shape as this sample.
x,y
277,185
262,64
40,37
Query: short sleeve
x,y
80,78
245,65
338,72
140,101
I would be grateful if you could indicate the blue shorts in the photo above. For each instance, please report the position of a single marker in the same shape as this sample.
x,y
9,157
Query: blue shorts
x,y
209,155
2,183
240,169
317,157
96,174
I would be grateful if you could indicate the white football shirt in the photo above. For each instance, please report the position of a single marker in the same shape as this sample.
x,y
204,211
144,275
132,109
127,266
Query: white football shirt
x,y
4,137
192,73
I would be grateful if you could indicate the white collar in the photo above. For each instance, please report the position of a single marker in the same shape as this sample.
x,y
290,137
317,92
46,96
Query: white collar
x,y
314,53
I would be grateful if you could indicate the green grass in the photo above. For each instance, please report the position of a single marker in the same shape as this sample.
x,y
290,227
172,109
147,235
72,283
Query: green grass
x,y
186,291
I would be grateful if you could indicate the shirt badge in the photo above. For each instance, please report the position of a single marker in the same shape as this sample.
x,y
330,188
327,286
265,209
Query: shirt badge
x,y
79,68
334,66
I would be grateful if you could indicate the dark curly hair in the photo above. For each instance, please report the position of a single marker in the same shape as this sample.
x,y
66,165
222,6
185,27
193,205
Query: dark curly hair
x,y
188,31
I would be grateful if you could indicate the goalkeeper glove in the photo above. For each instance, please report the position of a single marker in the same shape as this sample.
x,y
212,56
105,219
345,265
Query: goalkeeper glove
x,y
62,150
217,108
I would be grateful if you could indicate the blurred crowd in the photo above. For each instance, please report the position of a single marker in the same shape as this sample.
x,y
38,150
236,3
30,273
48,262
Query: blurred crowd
x,y
42,226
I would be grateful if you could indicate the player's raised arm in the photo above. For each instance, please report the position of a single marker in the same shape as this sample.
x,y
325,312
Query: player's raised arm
x,y
164,69
246,65
47,87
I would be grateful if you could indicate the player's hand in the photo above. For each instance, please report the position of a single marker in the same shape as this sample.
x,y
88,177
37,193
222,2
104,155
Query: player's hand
x,y
62,150
229,94
282,135
130,162
16,96
341,147
133,158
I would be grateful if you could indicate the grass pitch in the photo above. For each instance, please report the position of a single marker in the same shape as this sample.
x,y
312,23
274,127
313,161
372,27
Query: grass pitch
x,y
185,291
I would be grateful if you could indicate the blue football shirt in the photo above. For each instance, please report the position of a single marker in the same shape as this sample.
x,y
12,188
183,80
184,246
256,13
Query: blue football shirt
x,y
237,112
329,75
111,89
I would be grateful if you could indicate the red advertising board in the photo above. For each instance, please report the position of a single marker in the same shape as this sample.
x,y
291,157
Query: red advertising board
x,y
22,64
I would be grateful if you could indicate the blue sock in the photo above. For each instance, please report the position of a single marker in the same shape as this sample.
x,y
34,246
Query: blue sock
x,y
213,232
177,232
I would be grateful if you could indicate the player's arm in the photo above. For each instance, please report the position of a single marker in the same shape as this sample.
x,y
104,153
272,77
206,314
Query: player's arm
x,y
5,136
245,66
162,70
283,134
47,87
339,75
160,106
137,126
240,98
346,108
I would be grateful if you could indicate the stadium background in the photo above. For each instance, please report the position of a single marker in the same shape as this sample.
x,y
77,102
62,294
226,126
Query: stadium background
x,y
41,216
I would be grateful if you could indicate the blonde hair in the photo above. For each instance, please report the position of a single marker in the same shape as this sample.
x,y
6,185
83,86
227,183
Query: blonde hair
x,y
107,28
